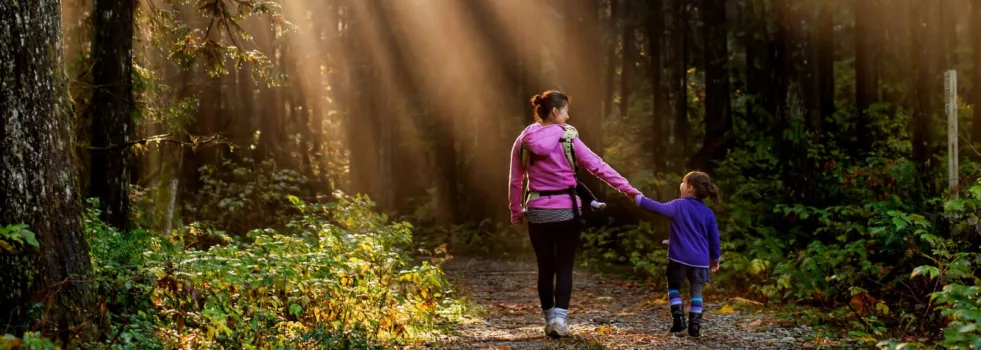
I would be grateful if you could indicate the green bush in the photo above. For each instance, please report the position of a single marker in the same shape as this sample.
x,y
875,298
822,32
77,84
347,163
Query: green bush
x,y
337,276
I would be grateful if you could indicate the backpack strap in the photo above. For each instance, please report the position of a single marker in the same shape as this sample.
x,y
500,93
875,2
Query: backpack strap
x,y
568,136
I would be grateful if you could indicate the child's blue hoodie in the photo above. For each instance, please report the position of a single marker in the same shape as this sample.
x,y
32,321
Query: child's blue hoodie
x,y
694,234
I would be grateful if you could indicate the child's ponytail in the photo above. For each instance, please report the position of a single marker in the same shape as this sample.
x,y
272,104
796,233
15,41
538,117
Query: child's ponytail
x,y
713,193
704,188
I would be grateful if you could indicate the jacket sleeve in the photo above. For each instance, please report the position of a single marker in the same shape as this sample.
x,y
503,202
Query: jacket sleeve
x,y
715,251
516,178
668,209
598,167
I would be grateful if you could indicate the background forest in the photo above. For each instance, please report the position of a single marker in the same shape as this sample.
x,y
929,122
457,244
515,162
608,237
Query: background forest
x,y
287,173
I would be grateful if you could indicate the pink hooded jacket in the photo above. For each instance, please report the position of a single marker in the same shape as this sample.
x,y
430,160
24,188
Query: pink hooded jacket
x,y
551,170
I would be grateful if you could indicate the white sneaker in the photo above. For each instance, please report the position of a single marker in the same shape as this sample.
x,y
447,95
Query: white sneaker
x,y
549,318
559,327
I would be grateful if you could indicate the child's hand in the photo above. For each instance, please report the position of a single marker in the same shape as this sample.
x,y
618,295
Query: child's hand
x,y
714,266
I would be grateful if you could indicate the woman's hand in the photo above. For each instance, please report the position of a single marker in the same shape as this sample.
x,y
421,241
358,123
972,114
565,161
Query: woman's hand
x,y
714,266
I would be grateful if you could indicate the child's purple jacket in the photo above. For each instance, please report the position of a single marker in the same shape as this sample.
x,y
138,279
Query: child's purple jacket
x,y
551,170
694,234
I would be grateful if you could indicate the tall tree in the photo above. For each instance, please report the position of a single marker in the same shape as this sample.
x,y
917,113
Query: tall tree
x,y
112,109
655,33
923,55
680,71
825,38
867,72
38,183
718,120
975,93
629,57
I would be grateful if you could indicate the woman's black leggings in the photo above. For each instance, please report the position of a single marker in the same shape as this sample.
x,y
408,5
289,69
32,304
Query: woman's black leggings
x,y
555,246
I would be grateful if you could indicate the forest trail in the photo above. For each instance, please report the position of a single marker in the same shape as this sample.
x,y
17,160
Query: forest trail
x,y
606,313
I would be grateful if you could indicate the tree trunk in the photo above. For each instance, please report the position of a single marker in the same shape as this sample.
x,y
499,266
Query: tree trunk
x,y
112,109
975,92
867,73
38,179
628,59
826,59
611,58
681,70
655,31
925,82
718,120
757,64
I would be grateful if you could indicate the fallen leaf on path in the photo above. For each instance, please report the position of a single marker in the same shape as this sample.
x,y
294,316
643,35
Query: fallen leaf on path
x,y
746,301
756,323
726,309
604,330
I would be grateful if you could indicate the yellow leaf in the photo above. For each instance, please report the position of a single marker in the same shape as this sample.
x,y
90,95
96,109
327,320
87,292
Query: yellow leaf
x,y
604,330
726,309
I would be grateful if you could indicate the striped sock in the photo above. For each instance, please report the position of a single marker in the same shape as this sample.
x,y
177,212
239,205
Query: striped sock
x,y
696,297
696,305
675,296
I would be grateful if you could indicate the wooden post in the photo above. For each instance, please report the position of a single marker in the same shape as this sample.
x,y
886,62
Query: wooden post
x,y
950,95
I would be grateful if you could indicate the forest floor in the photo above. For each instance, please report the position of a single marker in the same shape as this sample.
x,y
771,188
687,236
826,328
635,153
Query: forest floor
x,y
607,312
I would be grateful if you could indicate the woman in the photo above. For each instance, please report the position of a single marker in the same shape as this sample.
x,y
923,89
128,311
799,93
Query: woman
x,y
553,208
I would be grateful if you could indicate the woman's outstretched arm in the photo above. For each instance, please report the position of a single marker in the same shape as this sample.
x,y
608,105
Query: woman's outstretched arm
x,y
598,167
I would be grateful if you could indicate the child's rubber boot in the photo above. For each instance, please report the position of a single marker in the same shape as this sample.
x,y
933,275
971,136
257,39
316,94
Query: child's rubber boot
x,y
694,324
597,206
678,319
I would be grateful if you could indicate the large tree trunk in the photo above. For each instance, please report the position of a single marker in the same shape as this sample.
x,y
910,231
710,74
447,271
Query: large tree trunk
x,y
925,82
681,46
38,178
867,73
112,109
975,93
655,31
718,120
757,64
826,59
611,58
628,59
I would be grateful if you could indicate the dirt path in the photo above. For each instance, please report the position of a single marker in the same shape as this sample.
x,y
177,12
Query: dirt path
x,y
606,313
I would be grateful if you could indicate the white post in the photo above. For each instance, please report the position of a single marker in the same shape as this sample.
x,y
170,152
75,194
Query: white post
x,y
950,94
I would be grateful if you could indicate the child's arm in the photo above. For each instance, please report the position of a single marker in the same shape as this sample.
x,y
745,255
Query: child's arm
x,y
665,209
715,251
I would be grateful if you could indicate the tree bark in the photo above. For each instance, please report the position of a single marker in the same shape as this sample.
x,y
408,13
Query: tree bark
x,y
867,75
681,70
925,83
826,59
38,179
611,58
655,31
628,60
718,120
112,109
975,93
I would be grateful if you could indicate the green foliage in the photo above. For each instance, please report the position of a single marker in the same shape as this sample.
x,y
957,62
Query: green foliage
x,y
238,196
336,276
14,237
30,341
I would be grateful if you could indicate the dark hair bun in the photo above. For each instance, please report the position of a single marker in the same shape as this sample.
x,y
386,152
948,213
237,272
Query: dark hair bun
x,y
537,100
547,100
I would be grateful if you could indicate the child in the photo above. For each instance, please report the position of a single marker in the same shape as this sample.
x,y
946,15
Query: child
x,y
693,247
585,194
